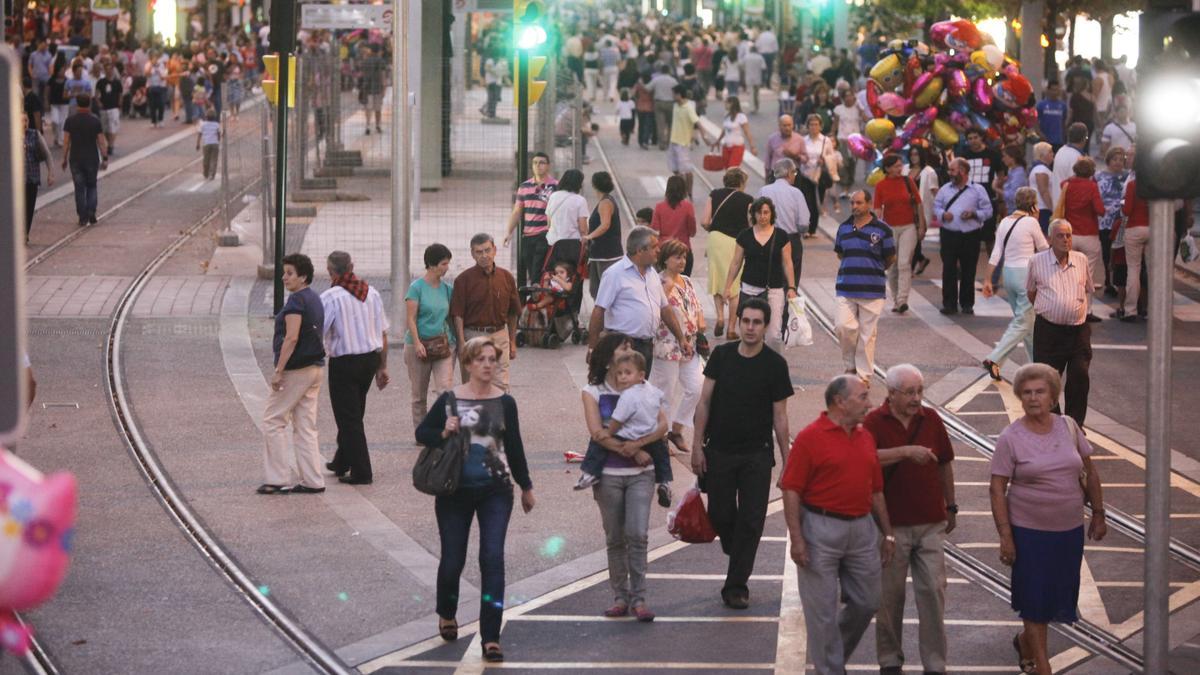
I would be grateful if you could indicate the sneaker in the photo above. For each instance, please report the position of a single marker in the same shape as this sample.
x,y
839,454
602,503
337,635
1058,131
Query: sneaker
x,y
586,480
303,489
1092,318
572,456
664,495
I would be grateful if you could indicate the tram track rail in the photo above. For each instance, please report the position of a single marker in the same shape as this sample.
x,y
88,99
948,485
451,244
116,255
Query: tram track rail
x,y
37,661
310,649
1084,634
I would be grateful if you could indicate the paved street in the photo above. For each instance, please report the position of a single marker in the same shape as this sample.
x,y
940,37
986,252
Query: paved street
x,y
356,566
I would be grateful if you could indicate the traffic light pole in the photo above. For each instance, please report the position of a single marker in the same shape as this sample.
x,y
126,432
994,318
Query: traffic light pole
x,y
281,123
522,87
1158,435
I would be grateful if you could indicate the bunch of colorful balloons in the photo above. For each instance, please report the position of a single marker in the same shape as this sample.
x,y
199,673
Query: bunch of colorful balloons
x,y
918,94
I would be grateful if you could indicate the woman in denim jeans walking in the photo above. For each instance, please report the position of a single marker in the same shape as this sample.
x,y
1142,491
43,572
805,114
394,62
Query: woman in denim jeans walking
x,y
494,461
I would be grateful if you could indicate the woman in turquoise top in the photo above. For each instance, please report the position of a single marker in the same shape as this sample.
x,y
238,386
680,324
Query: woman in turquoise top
x,y
428,301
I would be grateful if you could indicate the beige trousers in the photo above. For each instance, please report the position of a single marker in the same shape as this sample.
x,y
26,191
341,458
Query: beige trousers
x,y
500,337
857,321
294,403
899,275
1136,239
422,374
1089,245
919,548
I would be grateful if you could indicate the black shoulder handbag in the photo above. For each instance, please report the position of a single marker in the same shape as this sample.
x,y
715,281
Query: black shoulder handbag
x,y
439,468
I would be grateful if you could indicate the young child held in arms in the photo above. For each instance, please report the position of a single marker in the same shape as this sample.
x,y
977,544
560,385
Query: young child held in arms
x,y
635,416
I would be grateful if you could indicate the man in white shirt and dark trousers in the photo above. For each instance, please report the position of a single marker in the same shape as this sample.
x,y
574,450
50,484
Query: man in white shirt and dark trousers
x,y
962,207
1059,286
355,337
1065,158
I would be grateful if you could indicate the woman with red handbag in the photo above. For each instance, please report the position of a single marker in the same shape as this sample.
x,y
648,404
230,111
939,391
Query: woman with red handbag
x,y
735,134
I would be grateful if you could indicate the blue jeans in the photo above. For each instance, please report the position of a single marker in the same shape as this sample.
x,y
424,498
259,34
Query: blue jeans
x,y
493,506
84,177
593,460
1020,329
157,97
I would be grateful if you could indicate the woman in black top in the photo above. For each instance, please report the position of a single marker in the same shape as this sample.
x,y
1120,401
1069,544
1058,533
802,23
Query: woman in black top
x,y
59,105
495,460
767,273
725,216
603,239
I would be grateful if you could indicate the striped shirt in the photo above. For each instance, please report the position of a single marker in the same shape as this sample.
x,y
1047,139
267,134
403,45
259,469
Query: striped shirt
x,y
353,326
532,197
1061,292
864,253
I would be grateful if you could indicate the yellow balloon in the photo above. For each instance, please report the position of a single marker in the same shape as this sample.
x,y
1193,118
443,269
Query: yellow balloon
x,y
979,58
888,72
929,95
879,130
944,133
875,177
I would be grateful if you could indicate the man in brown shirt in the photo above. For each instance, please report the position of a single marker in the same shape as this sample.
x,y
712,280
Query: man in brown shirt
x,y
485,303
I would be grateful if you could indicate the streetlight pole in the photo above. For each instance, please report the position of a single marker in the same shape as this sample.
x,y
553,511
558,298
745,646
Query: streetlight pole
x,y
401,168
522,138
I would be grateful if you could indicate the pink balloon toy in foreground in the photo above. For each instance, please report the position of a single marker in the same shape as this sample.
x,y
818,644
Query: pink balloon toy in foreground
x,y
37,519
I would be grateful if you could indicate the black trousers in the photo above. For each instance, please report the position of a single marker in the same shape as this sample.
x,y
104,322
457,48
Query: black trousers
x,y
31,193
645,347
1106,255
960,256
1067,349
738,486
350,379
812,197
797,242
533,256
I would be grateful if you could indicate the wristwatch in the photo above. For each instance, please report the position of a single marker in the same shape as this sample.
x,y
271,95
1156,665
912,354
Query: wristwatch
x,y
952,508
890,538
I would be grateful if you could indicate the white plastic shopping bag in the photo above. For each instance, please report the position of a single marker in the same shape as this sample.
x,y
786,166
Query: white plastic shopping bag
x,y
797,331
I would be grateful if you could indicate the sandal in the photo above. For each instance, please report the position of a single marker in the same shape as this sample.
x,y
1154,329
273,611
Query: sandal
x,y
492,652
731,335
676,439
992,368
643,614
720,328
448,629
617,611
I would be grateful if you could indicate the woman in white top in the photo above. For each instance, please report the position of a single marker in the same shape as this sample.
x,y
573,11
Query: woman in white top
x,y
568,213
1018,237
1040,179
735,134
820,151
1102,86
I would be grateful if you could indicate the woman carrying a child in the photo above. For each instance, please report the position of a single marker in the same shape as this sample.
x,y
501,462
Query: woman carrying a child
x,y
672,369
624,485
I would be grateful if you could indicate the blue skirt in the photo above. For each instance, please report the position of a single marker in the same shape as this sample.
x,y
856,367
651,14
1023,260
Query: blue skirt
x,y
1045,577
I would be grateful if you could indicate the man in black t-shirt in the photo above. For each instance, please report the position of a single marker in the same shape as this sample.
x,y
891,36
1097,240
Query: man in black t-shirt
x,y
108,92
985,164
86,151
32,104
744,399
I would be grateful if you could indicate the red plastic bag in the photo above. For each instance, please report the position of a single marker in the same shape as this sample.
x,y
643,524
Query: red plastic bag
x,y
714,161
688,521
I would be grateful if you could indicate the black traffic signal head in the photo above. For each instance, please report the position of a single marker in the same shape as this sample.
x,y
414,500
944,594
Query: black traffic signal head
x,y
1167,159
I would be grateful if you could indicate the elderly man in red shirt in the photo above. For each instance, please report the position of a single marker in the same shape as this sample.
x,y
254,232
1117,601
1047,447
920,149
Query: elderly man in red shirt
x,y
831,483
918,486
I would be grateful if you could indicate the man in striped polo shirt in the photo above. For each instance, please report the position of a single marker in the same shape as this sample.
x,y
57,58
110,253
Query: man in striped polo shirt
x,y
866,248
529,209
1059,286
355,337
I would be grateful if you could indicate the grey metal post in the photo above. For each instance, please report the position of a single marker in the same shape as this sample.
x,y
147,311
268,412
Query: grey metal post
x,y
577,132
304,81
1158,435
547,107
335,104
402,147
227,236
266,268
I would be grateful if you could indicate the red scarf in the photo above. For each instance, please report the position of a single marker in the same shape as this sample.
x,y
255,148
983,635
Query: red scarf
x,y
353,285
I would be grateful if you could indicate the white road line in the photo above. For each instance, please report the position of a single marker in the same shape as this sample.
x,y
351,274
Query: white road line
x,y
791,647
567,666
1134,584
962,413
200,182
597,618
773,538
1141,348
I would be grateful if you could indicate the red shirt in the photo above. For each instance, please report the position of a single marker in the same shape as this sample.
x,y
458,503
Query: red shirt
x,y
834,470
675,223
894,202
1083,207
1136,209
913,491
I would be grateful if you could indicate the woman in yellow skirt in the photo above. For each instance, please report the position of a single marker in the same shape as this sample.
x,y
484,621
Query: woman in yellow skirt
x,y
725,216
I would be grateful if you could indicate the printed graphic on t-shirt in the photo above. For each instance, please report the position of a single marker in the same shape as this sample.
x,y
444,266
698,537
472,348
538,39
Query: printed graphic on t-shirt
x,y
484,420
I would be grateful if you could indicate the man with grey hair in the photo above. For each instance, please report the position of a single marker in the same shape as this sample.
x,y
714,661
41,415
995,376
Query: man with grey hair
x,y
831,483
791,209
355,336
484,302
918,487
962,207
783,143
1059,285
631,300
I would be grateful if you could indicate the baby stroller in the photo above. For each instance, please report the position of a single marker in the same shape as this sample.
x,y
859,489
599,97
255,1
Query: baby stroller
x,y
550,312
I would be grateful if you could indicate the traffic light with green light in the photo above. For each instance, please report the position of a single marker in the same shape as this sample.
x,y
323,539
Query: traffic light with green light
x,y
529,36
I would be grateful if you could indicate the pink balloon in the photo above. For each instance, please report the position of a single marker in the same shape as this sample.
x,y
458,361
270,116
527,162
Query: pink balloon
x,y
957,83
894,104
861,146
981,96
959,120
39,516
1029,117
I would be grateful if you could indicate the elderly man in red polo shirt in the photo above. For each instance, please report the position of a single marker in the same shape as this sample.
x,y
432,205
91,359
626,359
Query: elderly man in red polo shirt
x,y
918,485
831,483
